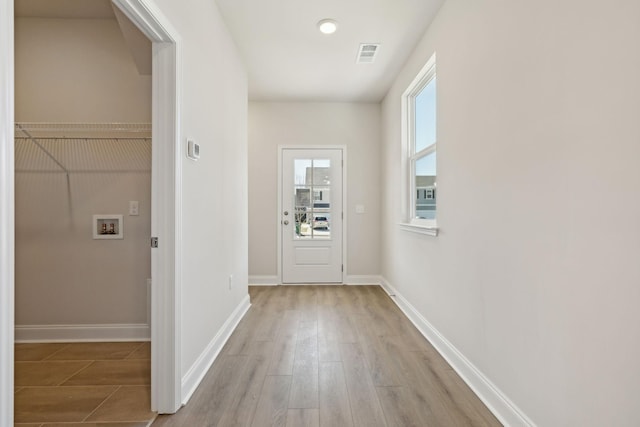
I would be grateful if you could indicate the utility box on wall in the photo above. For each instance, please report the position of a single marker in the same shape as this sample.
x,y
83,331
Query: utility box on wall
x,y
108,227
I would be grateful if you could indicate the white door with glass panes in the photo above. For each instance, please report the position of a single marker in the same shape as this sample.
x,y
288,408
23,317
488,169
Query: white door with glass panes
x,y
311,215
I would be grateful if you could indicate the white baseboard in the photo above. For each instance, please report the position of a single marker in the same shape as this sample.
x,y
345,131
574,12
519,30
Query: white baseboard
x,y
198,370
362,280
499,404
263,281
348,280
82,333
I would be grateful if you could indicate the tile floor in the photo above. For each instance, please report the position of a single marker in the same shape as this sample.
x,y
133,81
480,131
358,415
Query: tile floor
x,y
83,385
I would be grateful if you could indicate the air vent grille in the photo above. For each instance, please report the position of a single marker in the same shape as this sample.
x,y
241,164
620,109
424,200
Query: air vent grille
x,y
367,53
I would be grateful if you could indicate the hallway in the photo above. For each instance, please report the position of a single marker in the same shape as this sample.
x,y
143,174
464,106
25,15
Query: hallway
x,y
329,356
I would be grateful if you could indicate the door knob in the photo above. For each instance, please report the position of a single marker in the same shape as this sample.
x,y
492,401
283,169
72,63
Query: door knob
x,y
286,222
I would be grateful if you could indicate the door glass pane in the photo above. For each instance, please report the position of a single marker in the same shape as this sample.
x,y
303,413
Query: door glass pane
x,y
321,172
312,203
426,187
425,117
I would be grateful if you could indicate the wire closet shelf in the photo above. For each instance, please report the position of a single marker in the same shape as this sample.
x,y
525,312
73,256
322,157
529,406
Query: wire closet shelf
x,y
78,128
83,147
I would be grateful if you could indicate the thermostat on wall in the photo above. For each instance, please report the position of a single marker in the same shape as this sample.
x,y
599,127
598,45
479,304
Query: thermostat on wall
x,y
193,150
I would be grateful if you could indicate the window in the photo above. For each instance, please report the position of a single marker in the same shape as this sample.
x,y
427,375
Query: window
x,y
312,199
419,139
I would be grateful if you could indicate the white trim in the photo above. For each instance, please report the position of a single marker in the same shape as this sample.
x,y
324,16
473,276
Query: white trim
x,y
420,229
166,216
263,281
7,225
279,223
82,333
497,402
149,19
422,78
362,280
348,280
409,156
312,284
345,211
199,369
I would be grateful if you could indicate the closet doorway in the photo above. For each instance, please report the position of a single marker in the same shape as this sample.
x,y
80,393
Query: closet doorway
x,y
83,214
166,398
166,193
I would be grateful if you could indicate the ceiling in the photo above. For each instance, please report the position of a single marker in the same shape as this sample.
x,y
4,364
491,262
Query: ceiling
x,y
289,59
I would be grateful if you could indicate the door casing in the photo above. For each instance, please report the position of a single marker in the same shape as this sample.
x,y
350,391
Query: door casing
x,y
7,205
345,209
166,205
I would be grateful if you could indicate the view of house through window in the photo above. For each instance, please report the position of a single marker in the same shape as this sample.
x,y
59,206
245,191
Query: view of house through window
x,y
420,101
426,187
312,199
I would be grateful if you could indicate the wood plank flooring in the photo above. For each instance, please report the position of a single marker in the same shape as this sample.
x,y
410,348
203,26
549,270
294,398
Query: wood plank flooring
x,y
83,385
333,356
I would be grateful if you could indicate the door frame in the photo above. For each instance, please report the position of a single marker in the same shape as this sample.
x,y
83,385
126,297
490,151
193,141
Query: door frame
x,y
7,227
166,214
281,149
166,202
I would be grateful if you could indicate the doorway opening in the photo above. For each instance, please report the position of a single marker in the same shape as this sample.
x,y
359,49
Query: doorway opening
x,y
83,212
165,260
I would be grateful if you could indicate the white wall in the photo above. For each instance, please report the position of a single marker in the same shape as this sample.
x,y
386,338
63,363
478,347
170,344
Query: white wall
x,y
297,123
534,276
214,202
79,70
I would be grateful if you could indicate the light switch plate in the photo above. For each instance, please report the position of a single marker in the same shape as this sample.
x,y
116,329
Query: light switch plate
x,y
134,208
360,209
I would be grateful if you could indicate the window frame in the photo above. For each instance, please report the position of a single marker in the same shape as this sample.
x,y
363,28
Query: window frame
x,y
410,222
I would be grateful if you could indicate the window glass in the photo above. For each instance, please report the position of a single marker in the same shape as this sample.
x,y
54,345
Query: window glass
x,y
312,199
425,182
425,117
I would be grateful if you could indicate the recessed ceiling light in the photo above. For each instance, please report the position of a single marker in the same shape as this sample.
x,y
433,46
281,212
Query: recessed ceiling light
x,y
327,26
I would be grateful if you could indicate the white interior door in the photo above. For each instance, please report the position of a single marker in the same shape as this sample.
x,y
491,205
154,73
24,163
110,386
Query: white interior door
x,y
311,216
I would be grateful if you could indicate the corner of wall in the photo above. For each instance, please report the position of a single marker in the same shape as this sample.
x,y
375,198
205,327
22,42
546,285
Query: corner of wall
x,y
199,369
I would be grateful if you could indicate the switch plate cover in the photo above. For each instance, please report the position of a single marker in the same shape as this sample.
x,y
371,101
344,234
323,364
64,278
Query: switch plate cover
x,y
134,208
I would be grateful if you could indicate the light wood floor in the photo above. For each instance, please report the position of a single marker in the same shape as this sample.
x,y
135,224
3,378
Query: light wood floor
x,y
334,356
83,385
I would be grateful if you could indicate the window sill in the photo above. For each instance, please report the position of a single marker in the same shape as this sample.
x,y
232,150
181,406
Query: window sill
x,y
420,229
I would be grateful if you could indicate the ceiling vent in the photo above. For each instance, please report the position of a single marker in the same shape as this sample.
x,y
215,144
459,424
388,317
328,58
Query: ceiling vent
x,y
367,53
